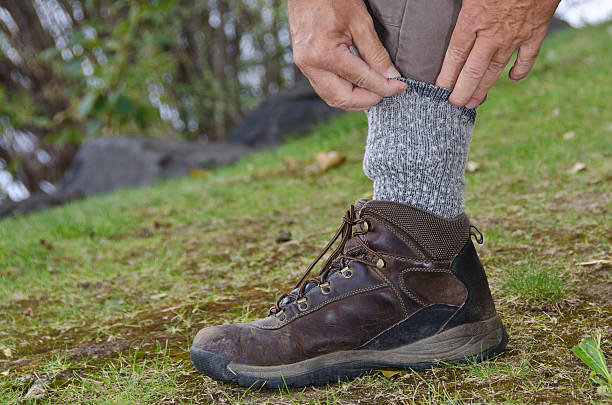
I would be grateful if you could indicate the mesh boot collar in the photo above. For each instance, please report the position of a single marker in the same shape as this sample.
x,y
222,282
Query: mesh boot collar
x,y
440,238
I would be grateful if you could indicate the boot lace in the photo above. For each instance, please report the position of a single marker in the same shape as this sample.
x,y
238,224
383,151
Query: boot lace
x,y
336,259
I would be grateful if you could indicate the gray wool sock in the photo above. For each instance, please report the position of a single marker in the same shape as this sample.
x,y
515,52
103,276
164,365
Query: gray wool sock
x,y
417,149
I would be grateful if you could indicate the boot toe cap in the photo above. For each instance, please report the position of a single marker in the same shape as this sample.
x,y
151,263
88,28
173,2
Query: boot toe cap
x,y
221,340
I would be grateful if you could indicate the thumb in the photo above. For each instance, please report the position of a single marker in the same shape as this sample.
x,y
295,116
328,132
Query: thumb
x,y
372,51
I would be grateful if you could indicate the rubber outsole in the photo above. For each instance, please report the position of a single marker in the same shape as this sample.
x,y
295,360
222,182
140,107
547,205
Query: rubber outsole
x,y
218,367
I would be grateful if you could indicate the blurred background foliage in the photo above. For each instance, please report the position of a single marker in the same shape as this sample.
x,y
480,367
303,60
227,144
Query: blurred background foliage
x,y
70,69
189,69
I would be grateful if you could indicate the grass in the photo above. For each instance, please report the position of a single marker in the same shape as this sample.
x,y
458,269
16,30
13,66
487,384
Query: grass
x,y
532,283
100,298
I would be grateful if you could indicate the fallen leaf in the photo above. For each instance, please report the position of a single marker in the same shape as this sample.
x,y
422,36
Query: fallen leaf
x,y
577,168
473,166
598,264
158,296
8,353
198,173
291,163
36,391
569,135
389,373
292,244
251,248
329,159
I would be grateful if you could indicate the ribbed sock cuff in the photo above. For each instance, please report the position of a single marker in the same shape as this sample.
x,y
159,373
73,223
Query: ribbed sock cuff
x,y
417,149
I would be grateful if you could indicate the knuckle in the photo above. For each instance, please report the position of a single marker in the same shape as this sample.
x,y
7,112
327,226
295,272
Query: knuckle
x,y
496,66
299,61
520,38
337,103
323,58
361,81
330,102
380,56
457,55
473,72
301,58
314,56
520,75
527,60
360,29
362,23
480,94
523,36
468,21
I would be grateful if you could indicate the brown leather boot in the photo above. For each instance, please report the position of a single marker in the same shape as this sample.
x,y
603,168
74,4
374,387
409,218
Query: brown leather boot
x,y
405,289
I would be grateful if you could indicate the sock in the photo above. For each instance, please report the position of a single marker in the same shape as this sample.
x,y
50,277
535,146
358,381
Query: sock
x,y
417,149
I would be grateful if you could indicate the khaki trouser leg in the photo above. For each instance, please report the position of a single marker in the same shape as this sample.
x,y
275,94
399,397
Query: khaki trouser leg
x,y
416,33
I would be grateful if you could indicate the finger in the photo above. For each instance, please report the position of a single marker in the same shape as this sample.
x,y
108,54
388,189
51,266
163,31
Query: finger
x,y
372,51
496,67
525,59
355,70
340,93
459,47
472,72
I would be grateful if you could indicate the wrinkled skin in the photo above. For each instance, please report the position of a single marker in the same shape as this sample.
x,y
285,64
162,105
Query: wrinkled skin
x,y
485,37
322,32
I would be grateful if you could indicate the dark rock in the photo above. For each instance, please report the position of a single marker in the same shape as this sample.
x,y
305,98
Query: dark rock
x,y
39,201
290,112
107,163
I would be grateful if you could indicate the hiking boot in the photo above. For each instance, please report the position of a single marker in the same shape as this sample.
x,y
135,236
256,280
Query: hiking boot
x,y
403,289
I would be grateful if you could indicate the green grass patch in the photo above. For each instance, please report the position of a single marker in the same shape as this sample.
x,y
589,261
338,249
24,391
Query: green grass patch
x,y
83,285
532,283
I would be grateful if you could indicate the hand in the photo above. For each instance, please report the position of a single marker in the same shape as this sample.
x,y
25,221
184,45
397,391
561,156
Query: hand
x,y
485,37
322,32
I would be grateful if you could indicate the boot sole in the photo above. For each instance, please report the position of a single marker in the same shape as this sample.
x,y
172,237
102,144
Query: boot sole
x,y
469,342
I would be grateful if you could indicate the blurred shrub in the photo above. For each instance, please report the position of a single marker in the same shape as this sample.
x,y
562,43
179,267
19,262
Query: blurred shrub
x,y
190,68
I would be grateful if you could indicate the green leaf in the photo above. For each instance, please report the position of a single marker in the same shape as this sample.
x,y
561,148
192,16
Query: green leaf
x,y
124,106
49,53
589,351
86,104
94,126
596,379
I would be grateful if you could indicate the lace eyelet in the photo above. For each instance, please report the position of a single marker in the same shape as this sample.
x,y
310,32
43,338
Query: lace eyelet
x,y
302,304
346,272
325,288
381,264
366,226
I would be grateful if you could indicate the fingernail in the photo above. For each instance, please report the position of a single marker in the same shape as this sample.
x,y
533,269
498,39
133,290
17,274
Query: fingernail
x,y
392,73
473,103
